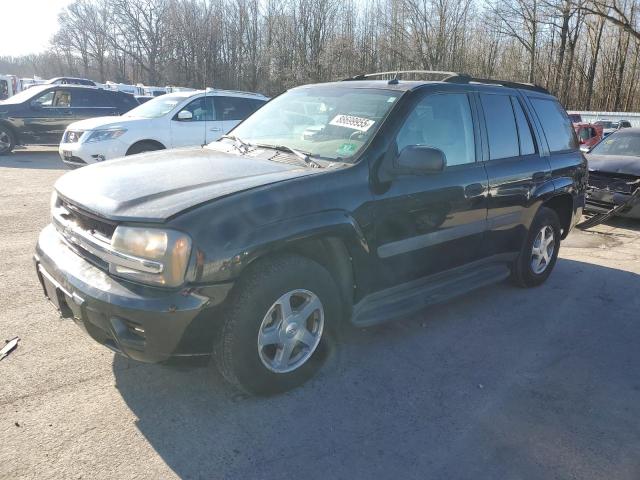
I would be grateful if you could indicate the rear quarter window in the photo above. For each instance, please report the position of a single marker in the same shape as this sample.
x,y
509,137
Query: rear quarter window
x,y
555,124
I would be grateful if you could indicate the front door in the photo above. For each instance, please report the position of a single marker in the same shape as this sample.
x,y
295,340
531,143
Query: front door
x,y
430,223
191,131
46,117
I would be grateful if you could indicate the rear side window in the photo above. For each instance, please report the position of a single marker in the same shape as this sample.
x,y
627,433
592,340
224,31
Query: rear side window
x,y
527,147
235,108
555,124
88,99
123,101
501,126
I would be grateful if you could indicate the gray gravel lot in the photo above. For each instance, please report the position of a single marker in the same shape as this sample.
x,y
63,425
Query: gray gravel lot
x,y
502,383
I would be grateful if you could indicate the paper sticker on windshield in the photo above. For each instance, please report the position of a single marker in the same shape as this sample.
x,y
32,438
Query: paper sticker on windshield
x,y
349,121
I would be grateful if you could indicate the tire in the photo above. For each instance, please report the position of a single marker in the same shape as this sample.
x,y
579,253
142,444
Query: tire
x,y
7,140
142,147
263,290
534,264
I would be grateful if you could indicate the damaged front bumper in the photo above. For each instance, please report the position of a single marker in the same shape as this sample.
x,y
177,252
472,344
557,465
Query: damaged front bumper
x,y
609,192
143,323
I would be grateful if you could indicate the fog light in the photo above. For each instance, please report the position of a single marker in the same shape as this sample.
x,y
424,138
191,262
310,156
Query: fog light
x,y
99,158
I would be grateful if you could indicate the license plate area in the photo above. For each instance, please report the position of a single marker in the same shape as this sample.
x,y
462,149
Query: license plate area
x,y
55,293
67,154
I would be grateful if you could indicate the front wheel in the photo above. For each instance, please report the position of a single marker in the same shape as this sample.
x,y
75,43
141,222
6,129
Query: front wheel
x,y
7,141
276,325
540,250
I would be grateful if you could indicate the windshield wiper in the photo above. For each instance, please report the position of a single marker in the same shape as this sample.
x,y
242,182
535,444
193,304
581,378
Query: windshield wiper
x,y
305,157
238,140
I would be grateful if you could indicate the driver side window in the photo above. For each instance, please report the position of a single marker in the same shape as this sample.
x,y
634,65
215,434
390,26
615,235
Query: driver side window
x,y
200,109
441,121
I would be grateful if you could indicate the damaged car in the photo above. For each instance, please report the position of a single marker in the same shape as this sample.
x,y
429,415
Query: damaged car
x,y
614,175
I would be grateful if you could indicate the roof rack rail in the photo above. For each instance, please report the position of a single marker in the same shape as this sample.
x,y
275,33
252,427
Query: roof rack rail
x,y
450,77
464,78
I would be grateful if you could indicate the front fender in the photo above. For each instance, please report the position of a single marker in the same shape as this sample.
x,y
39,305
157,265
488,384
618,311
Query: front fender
x,y
219,265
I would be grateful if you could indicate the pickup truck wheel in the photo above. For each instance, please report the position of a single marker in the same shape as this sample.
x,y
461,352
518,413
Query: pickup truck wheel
x,y
7,141
277,323
540,251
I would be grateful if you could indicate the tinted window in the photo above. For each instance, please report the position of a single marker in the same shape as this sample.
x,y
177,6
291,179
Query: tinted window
x,y
199,109
121,100
555,124
444,122
88,99
527,146
236,108
501,126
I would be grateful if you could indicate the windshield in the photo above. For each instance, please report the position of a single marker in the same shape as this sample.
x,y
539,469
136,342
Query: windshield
x,y
332,123
25,94
157,107
619,143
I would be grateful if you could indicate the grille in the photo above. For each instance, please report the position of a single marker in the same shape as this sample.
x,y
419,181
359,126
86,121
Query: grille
x,y
72,136
88,222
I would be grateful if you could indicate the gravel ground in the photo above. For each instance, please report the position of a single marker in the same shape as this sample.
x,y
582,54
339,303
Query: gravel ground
x,y
503,383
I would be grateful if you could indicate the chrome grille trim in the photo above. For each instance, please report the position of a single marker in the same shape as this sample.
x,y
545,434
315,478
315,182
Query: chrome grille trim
x,y
73,234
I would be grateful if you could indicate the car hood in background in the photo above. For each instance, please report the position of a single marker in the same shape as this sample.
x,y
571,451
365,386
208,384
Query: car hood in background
x,y
103,123
623,164
153,186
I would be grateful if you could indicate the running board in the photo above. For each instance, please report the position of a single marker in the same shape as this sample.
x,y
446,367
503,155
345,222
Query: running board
x,y
412,297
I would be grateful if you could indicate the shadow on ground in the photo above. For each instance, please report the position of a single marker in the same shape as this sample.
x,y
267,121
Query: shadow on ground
x,y
40,159
502,383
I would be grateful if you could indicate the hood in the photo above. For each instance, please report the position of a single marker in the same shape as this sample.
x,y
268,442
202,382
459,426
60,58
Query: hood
x,y
626,165
104,122
153,186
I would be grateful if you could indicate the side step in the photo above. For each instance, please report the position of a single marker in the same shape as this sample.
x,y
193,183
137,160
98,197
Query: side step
x,y
411,297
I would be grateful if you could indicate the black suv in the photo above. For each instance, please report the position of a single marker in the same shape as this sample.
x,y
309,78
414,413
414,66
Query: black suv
x,y
358,201
40,114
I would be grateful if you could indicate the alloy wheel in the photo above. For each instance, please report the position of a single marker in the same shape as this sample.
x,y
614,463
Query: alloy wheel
x,y
290,331
543,248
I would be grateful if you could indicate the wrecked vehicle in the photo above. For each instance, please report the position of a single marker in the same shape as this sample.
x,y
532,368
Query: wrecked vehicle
x,y
358,201
614,175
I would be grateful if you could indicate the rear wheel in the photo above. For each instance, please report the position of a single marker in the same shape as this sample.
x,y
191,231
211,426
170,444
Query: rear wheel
x,y
277,323
7,140
540,251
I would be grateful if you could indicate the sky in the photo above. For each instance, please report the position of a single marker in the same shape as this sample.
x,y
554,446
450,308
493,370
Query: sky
x,y
26,26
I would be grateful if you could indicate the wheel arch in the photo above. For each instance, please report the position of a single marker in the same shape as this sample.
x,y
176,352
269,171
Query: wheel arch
x,y
12,129
146,140
562,204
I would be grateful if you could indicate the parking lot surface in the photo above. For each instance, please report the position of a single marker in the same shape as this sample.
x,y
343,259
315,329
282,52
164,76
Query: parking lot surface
x,y
503,383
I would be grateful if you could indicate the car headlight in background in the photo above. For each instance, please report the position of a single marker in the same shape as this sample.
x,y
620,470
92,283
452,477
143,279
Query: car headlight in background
x,y
102,135
168,249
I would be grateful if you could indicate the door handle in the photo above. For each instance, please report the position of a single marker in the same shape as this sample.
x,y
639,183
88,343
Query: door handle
x,y
215,129
539,176
473,190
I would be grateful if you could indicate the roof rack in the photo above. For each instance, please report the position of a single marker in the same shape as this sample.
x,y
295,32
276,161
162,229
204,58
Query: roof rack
x,y
449,77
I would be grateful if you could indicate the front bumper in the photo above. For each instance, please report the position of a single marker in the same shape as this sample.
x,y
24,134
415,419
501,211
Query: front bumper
x,y
79,154
601,201
143,323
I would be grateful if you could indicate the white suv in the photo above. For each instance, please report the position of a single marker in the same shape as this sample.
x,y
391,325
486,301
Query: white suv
x,y
173,120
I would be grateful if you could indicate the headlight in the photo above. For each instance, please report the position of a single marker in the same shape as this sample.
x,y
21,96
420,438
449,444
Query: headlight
x,y
166,248
101,135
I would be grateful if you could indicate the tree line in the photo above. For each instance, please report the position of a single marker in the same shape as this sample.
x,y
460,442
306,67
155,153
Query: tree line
x,y
586,52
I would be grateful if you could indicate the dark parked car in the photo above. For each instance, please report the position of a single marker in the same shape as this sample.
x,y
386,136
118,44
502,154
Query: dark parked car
x,y
614,174
40,115
610,126
256,247
70,81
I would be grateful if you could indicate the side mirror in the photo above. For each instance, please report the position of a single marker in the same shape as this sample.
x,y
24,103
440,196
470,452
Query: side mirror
x,y
420,159
184,115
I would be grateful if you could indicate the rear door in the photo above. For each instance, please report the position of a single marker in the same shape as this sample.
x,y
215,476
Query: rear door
x,y
516,169
430,223
232,110
90,103
191,132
